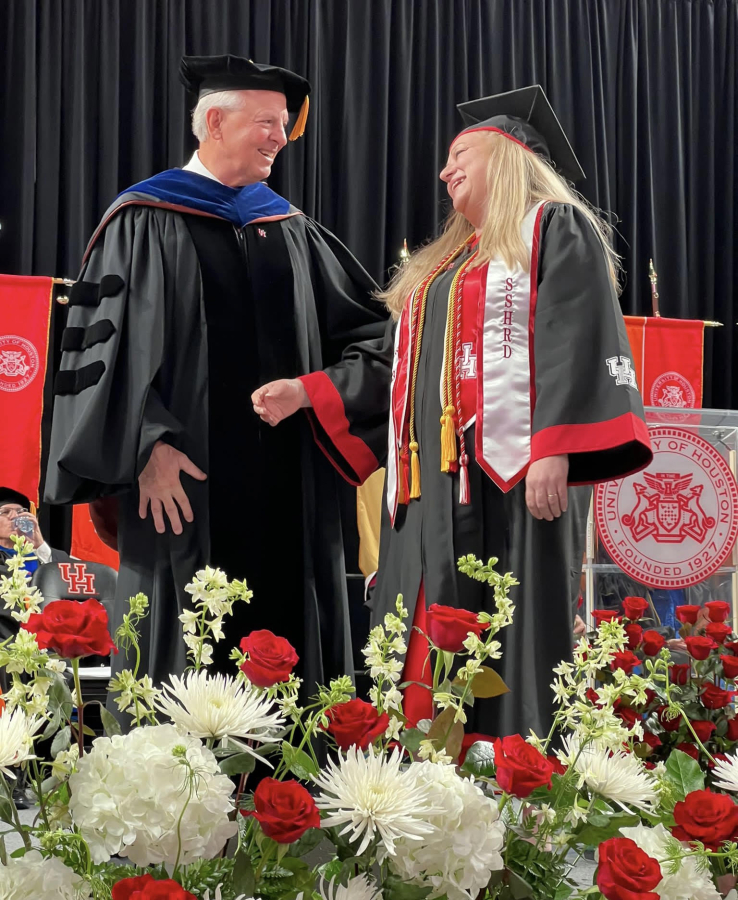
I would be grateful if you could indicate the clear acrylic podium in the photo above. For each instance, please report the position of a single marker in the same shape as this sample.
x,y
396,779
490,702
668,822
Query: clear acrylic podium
x,y
659,533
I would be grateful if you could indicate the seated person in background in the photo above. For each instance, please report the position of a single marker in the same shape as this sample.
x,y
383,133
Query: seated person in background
x,y
14,508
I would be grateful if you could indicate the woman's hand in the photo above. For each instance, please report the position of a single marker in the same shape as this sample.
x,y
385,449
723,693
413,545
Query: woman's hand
x,y
279,400
545,487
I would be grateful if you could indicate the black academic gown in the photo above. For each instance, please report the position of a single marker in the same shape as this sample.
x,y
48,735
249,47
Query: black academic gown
x,y
176,319
578,325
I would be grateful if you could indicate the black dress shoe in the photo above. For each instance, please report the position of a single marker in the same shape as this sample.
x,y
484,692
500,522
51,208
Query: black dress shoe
x,y
20,799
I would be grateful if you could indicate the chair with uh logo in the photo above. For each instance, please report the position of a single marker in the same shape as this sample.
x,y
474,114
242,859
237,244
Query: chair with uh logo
x,y
80,581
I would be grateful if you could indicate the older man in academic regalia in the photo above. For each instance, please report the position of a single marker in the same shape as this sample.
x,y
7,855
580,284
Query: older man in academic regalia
x,y
199,285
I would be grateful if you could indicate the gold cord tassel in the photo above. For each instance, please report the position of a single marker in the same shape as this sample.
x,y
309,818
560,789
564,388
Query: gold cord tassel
x,y
448,439
414,471
299,127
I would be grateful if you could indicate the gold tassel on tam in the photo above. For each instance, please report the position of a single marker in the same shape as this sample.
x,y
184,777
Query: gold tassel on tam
x,y
414,471
299,126
448,439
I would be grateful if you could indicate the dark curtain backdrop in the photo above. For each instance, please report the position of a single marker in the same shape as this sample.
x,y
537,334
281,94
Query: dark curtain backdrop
x,y
647,90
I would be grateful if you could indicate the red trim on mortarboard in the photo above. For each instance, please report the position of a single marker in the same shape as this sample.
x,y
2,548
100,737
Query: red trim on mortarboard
x,y
490,128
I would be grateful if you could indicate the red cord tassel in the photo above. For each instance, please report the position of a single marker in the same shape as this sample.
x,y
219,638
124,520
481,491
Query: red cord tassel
x,y
404,497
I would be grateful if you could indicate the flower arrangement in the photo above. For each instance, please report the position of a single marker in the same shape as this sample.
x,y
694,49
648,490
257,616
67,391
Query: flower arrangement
x,y
383,810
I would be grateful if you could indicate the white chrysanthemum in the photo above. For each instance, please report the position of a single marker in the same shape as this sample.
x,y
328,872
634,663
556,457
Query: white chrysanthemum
x,y
371,794
133,793
31,877
458,858
725,773
218,706
689,882
16,739
360,888
613,774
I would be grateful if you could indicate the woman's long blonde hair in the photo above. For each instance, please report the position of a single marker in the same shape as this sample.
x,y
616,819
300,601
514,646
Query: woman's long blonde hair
x,y
516,181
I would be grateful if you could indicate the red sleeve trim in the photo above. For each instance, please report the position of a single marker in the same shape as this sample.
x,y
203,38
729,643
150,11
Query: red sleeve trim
x,y
329,410
560,439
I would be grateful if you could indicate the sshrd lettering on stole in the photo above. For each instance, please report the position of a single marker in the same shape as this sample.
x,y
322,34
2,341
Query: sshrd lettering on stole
x,y
507,318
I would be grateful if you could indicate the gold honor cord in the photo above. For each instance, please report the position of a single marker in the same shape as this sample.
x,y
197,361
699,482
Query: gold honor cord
x,y
417,312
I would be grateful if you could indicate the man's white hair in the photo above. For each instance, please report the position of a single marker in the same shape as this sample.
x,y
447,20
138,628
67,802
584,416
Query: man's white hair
x,y
219,100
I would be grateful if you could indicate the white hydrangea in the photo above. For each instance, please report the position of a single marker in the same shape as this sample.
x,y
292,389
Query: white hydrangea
x,y
689,882
463,850
130,790
31,877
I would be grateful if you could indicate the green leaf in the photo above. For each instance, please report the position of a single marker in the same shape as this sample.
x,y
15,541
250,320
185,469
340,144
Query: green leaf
x,y
60,697
88,731
446,734
243,880
330,869
593,835
480,760
518,887
308,842
298,762
396,889
684,773
109,722
487,683
62,741
6,811
238,764
411,739
563,892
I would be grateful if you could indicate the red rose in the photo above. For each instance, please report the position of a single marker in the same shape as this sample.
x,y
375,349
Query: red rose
x,y
699,647
558,767
634,633
687,614
668,724
145,887
469,740
679,673
689,749
634,607
718,631
732,732
271,658
356,723
284,809
625,872
592,696
651,740
449,627
626,661
605,615
732,646
628,716
520,768
702,729
719,610
730,666
714,697
72,629
653,642
707,817
649,765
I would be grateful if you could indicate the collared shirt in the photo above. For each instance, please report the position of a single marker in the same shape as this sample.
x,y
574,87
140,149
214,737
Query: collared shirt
x,y
196,165
42,554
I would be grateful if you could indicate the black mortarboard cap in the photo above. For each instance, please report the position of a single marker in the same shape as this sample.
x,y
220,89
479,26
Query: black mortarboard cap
x,y
203,75
8,495
527,116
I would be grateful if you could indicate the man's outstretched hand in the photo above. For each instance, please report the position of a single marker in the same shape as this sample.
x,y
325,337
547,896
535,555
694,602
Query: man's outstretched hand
x,y
279,400
160,487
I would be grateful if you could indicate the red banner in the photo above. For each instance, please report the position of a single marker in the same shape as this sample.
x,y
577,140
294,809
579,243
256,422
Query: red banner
x,y
667,357
86,544
25,312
